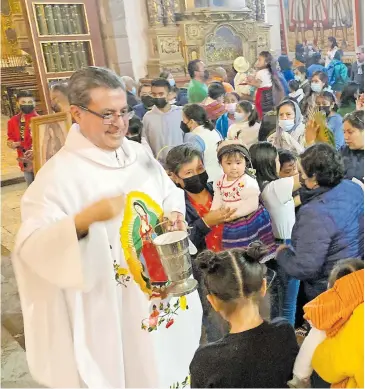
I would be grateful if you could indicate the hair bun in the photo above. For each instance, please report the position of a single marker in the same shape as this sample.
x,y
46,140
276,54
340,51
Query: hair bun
x,y
255,252
208,261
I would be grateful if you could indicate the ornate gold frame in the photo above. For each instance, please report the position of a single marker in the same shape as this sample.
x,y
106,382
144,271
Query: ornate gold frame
x,y
35,123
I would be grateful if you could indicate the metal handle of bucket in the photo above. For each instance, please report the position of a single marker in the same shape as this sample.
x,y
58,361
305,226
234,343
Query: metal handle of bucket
x,y
168,221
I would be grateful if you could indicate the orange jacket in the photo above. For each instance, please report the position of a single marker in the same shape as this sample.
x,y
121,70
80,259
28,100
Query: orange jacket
x,y
336,311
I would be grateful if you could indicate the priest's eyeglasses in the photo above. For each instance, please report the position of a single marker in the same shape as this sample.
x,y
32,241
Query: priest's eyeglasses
x,y
109,118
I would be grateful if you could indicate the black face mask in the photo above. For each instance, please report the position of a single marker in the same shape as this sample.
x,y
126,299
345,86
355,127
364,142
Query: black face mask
x,y
148,101
27,108
184,127
325,109
160,102
206,75
196,184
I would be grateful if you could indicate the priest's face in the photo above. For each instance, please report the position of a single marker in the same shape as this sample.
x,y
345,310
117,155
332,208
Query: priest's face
x,y
105,120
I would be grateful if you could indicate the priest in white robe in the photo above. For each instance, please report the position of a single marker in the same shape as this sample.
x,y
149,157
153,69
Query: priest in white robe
x,y
86,268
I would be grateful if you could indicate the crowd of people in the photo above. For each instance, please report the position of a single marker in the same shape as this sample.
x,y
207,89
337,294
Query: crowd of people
x,y
267,165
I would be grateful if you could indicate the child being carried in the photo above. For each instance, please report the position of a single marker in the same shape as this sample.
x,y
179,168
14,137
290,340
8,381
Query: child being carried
x,y
238,189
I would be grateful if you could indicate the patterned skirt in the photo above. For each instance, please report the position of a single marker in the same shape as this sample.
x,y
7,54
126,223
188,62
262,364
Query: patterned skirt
x,y
245,230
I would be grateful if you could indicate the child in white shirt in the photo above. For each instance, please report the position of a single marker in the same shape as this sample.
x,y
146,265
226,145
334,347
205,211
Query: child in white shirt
x,y
238,189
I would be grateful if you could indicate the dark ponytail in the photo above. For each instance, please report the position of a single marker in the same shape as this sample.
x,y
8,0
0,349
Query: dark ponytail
x,y
277,88
197,113
233,274
249,108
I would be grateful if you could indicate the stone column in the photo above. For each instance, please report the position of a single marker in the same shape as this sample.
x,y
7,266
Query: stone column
x,y
123,27
273,17
234,4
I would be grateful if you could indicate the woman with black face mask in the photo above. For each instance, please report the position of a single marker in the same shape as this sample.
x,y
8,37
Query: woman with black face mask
x,y
326,102
195,121
185,166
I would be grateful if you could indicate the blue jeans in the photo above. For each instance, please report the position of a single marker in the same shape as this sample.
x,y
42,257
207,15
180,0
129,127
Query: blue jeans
x,y
284,293
29,177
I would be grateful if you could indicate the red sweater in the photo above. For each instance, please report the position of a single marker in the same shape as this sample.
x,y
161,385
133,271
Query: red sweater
x,y
14,134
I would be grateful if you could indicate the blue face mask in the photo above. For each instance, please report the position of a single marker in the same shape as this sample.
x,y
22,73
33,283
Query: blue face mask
x,y
286,124
317,88
172,82
134,90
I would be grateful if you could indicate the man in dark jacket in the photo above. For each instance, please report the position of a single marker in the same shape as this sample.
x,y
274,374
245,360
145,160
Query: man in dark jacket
x,y
357,69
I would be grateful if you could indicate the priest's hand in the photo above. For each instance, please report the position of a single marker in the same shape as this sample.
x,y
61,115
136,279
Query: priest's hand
x,y
100,211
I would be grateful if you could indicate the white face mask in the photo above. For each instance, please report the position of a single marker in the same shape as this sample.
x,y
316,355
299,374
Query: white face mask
x,y
231,107
298,78
286,124
317,88
239,117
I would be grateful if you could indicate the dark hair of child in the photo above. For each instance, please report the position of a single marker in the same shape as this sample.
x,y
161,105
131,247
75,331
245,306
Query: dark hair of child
x,y
263,156
249,108
236,151
286,156
344,268
24,93
234,274
197,113
293,85
135,129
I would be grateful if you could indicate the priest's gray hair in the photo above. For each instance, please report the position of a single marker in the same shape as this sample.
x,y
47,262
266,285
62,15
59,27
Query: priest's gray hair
x,y
86,79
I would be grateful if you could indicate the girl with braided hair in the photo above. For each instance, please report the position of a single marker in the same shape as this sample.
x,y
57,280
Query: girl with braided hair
x,y
252,355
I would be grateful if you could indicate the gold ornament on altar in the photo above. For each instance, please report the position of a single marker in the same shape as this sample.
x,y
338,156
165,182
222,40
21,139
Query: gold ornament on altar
x,y
169,46
224,45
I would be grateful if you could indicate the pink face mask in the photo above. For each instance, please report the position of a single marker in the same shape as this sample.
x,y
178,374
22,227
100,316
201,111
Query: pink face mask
x,y
231,108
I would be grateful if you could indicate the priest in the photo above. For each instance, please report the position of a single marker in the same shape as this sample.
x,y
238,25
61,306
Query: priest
x,y
91,285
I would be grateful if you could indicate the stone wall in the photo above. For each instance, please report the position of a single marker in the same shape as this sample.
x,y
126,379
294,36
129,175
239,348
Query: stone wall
x,y
124,35
273,18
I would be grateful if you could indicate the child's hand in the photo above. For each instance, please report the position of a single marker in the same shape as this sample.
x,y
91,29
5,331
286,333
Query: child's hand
x,y
298,383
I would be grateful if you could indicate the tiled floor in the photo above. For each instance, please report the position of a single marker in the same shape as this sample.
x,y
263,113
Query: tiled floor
x,y
14,369
9,164
10,213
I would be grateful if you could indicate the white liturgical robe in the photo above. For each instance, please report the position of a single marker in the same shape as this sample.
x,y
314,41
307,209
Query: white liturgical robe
x,y
82,328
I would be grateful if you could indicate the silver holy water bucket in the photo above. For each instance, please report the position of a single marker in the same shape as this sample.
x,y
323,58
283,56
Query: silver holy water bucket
x,y
173,249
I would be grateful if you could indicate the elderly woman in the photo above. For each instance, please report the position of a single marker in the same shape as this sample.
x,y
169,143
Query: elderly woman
x,y
290,128
185,167
353,151
330,223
